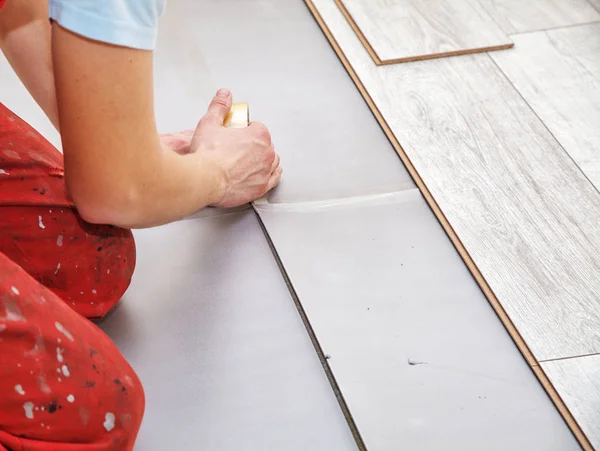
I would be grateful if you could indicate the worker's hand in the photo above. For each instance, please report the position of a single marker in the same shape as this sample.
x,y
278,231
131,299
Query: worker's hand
x,y
246,155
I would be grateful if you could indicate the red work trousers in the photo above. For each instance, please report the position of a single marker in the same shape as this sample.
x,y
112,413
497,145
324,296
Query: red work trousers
x,y
64,385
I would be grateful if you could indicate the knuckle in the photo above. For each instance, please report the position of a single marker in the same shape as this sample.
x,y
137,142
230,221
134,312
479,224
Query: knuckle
x,y
269,156
220,102
262,133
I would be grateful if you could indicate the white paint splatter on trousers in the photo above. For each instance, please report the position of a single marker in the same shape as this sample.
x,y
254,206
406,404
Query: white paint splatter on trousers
x,y
109,421
63,331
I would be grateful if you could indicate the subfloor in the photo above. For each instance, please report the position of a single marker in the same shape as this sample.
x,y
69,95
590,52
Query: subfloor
x,y
354,323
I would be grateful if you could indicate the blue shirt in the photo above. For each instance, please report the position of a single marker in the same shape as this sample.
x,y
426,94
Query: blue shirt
x,y
127,23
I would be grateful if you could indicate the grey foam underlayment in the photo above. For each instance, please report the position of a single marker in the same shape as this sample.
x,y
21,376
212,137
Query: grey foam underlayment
x,y
419,356
211,329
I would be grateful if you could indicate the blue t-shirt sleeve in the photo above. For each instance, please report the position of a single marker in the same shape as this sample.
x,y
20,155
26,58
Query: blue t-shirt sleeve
x,y
127,23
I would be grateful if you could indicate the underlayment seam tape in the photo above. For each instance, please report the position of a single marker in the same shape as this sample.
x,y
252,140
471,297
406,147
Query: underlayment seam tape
x,y
454,238
394,197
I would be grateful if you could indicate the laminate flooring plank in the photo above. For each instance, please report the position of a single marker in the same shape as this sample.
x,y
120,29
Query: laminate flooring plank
x,y
577,381
517,16
421,359
558,73
408,30
523,211
211,329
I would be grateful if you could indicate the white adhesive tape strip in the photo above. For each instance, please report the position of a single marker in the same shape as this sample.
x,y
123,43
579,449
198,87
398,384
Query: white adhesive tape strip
x,y
395,197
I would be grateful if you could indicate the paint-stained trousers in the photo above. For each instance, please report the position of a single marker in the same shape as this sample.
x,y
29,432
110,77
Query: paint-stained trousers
x,y
63,383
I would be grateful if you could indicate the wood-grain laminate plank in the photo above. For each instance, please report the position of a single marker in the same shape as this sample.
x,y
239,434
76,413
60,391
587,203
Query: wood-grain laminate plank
x,y
558,73
409,30
518,16
518,209
577,382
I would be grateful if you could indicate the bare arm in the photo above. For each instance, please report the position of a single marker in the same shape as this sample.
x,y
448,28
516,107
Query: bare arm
x,y
25,42
25,34
117,169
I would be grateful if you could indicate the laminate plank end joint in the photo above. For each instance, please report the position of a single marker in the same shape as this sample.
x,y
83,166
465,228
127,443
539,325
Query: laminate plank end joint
x,y
365,42
447,54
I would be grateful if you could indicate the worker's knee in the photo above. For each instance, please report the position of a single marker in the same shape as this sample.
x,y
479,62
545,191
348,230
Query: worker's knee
x,y
109,258
88,266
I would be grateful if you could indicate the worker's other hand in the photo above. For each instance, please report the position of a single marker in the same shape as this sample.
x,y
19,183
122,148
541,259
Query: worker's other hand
x,y
246,155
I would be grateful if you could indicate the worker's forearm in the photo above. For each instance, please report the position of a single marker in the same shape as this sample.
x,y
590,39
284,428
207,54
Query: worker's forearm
x,y
25,41
185,185
164,188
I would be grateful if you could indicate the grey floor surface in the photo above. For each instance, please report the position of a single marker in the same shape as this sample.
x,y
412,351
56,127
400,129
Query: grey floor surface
x,y
210,327
209,323
418,353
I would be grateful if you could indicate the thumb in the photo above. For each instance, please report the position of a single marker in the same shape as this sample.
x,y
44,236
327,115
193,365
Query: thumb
x,y
219,107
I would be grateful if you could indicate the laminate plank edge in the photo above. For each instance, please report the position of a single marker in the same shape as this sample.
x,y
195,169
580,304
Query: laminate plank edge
x,y
381,62
456,241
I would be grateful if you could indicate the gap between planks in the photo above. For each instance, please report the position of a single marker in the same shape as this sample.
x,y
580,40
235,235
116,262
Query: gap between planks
x,y
558,27
569,358
313,338
487,291
379,62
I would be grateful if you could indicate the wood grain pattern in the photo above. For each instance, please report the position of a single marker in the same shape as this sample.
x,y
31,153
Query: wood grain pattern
x,y
577,382
518,16
410,30
372,83
558,73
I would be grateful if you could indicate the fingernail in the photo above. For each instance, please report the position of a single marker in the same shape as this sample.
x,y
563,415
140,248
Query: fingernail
x,y
223,92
